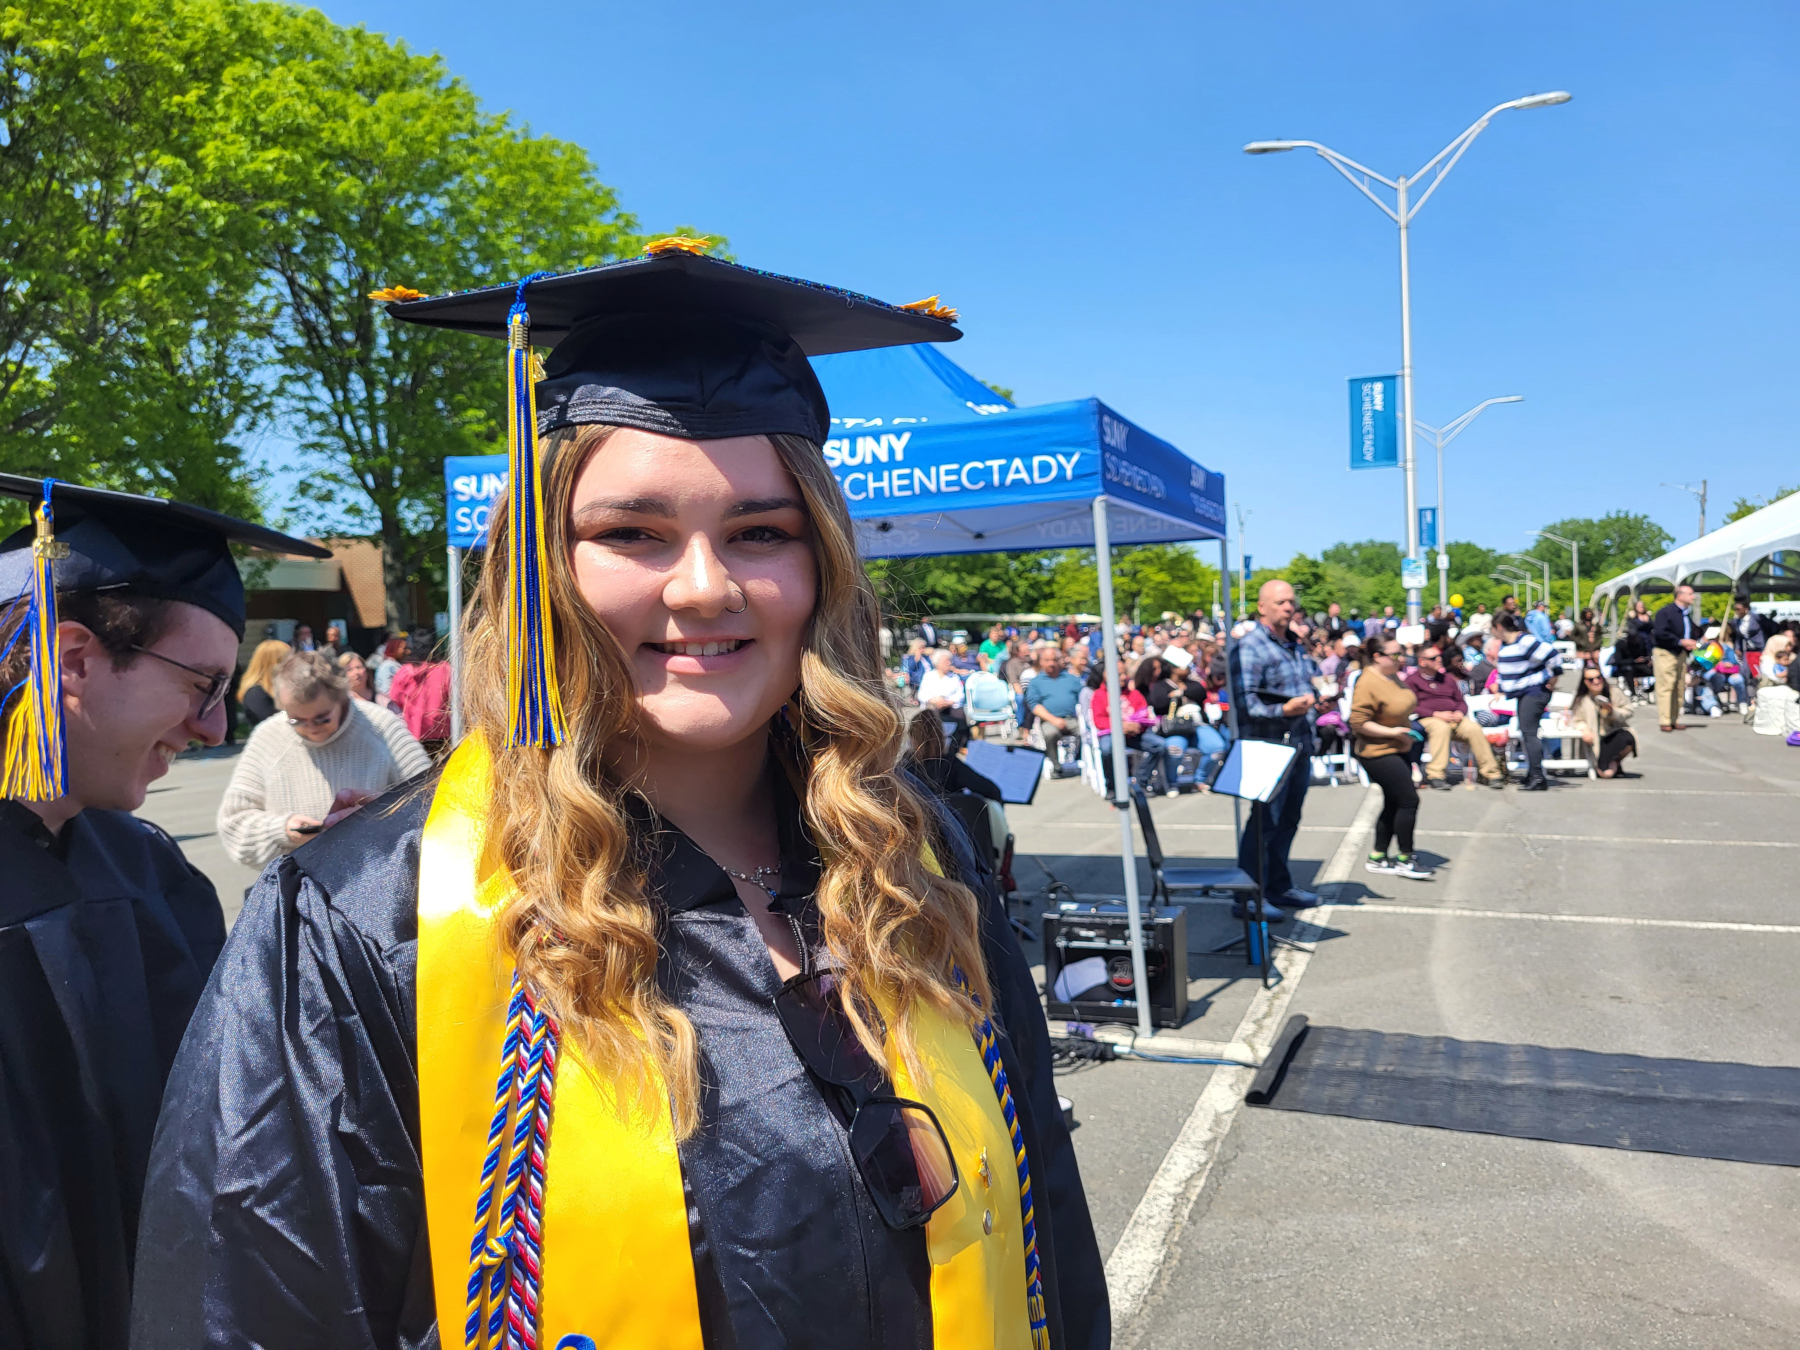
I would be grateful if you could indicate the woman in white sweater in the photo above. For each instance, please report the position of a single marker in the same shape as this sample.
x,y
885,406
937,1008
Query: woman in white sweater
x,y
321,756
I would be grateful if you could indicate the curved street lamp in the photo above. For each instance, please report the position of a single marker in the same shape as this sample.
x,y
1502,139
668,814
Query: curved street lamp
x,y
1440,437
1402,213
1516,578
1534,559
1574,548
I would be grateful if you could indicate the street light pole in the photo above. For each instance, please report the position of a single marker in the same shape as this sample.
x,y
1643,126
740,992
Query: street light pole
x,y
1440,437
1533,558
1243,565
1574,547
1700,495
1514,576
1402,213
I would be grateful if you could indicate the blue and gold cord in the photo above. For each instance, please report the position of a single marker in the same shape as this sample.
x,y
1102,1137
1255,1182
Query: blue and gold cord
x,y
534,699
988,1042
36,765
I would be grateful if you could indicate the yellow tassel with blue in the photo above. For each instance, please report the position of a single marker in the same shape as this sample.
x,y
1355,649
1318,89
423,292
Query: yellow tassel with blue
x,y
535,701
36,766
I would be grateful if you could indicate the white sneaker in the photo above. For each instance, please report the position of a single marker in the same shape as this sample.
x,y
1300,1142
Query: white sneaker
x,y
1379,865
1406,867
1716,712
1173,792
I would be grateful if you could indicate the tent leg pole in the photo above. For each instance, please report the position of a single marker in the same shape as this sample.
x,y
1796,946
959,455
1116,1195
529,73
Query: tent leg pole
x,y
1140,980
456,598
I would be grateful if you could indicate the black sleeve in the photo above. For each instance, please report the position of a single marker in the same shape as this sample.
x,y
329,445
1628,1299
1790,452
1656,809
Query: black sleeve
x,y
1074,1275
285,1202
967,779
1665,628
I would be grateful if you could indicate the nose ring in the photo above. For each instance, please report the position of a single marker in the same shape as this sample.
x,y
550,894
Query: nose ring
x,y
743,602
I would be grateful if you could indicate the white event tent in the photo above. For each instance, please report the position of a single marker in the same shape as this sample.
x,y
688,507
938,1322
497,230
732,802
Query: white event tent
x,y
1742,557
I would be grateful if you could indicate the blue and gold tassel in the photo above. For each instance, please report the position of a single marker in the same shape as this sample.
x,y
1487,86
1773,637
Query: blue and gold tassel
x,y
36,768
537,714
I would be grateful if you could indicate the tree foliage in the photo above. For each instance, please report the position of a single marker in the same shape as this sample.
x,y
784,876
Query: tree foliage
x,y
368,166
130,312
1147,580
1745,506
197,196
1612,544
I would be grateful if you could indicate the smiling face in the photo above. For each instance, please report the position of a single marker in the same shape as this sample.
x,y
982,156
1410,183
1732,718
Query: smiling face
x,y
125,726
669,538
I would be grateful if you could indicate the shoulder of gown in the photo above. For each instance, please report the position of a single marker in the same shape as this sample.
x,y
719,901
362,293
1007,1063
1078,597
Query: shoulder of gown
x,y
284,1205
105,945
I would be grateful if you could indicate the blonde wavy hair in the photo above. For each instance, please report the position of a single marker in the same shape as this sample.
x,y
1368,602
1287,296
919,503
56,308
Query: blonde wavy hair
x,y
584,929
260,673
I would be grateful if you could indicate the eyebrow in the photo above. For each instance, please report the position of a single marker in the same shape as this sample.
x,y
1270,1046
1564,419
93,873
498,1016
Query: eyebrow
x,y
758,506
665,509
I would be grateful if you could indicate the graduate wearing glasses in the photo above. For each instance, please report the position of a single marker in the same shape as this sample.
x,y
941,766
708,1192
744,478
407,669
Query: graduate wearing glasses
x,y
121,622
670,1011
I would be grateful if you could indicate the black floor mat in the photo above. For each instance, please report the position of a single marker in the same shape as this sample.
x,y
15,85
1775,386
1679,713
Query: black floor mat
x,y
1737,1112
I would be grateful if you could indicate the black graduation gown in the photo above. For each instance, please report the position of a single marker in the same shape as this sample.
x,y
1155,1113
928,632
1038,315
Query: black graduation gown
x,y
107,936
285,1206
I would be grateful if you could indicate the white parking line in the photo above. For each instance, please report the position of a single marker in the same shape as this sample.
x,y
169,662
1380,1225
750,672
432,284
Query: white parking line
x,y
1137,1259
1489,834
1613,920
1434,911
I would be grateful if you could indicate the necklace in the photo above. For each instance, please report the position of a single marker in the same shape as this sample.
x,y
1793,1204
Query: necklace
x,y
755,878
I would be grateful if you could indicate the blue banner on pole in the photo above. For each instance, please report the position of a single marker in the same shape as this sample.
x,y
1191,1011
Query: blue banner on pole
x,y
472,484
1428,527
1374,422
1249,567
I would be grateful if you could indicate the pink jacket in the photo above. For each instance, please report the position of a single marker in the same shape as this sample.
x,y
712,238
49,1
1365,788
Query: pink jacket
x,y
1137,711
421,695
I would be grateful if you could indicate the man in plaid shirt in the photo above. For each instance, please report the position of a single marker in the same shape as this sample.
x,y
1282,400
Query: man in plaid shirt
x,y
1272,685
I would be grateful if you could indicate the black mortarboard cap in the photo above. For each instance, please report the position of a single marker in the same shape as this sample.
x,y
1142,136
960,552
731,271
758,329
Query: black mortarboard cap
x,y
122,543
673,342
685,345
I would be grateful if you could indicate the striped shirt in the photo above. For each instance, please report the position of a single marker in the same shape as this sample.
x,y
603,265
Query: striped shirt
x,y
1527,663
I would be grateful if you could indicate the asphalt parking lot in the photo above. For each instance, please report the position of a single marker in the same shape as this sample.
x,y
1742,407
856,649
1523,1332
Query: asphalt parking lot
x,y
1649,916
1320,1230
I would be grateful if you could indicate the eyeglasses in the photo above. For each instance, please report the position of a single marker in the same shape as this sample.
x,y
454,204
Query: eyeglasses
x,y
898,1145
324,719
216,684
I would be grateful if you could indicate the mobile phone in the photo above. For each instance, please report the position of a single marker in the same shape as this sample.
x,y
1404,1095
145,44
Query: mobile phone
x,y
307,829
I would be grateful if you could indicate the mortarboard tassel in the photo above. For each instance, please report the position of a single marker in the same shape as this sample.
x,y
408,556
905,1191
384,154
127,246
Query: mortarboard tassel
x,y
537,714
36,768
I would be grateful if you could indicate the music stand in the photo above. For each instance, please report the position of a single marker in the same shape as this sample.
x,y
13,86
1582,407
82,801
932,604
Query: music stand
x,y
1254,771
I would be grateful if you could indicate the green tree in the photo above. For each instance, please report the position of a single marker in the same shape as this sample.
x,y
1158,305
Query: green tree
x,y
1744,506
1610,544
970,583
367,165
130,325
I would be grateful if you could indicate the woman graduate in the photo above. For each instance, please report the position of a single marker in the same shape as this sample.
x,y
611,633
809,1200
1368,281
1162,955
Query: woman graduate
x,y
670,1012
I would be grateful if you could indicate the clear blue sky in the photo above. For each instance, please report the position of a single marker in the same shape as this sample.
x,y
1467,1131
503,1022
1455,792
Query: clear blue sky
x,y
1070,177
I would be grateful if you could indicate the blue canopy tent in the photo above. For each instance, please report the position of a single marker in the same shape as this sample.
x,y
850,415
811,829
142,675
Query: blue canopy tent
x,y
932,461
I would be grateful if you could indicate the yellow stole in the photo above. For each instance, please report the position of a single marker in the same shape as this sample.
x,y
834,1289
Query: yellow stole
x,y
617,1264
